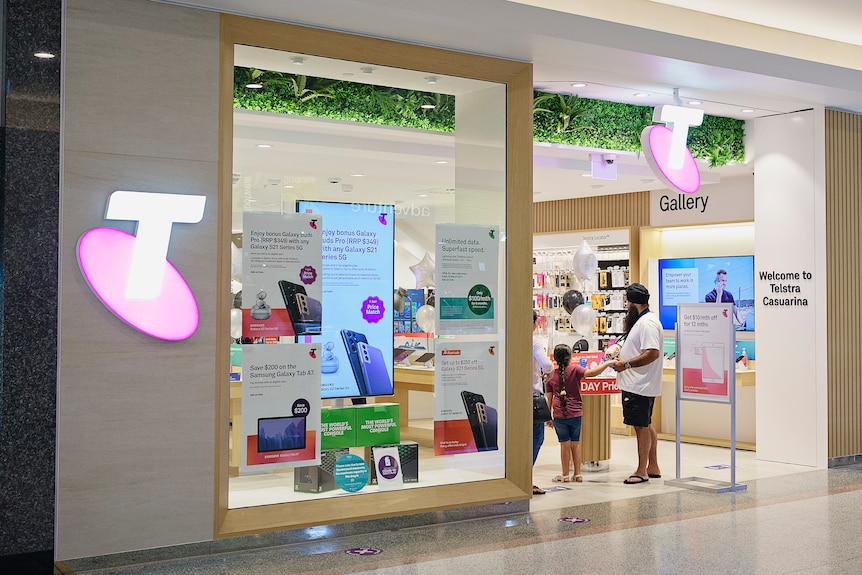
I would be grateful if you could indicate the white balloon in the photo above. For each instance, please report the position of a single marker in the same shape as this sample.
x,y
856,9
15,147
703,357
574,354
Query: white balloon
x,y
235,323
583,319
426,317
585,262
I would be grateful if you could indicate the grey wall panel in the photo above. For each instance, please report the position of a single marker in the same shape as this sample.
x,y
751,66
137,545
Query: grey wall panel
x,y
135,466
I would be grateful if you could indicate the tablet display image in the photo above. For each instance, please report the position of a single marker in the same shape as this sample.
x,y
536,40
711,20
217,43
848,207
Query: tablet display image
x,y
424,358
713,363
374,370
280,433
399,354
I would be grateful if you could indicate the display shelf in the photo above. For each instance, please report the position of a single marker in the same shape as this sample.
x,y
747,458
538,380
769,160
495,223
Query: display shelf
x,y
554,276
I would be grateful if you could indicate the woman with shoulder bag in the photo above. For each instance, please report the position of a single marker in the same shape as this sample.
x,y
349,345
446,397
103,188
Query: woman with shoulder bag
x,y
542,366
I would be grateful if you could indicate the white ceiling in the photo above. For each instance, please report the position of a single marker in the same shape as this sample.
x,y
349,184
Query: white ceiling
x,y
615,59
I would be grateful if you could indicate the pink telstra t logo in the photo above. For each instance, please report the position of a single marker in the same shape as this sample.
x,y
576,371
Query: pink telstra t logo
x,y
665,150
131,275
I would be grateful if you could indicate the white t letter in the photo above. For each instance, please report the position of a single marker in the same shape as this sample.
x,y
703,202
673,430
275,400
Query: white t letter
x,y
678,119
155,214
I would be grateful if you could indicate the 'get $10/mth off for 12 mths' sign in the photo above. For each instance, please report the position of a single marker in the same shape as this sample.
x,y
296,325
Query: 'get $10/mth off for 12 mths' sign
x,y
131,275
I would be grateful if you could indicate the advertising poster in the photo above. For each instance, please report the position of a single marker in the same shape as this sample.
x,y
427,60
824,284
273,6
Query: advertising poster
x,y
604,384
705,346
280,406
358,274
466,284
281,272
466,403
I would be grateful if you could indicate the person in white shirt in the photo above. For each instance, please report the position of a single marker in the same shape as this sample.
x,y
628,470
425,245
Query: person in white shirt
x,y
541,367
638,368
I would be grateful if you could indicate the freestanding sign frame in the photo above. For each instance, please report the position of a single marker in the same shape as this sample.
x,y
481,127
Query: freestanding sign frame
x,y
705,371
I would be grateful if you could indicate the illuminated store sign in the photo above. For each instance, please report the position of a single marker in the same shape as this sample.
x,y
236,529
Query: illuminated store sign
x,y
131,275
665,150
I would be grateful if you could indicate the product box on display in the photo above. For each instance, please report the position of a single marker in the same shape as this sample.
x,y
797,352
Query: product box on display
x,y
377,424
318,478
408,453
337,427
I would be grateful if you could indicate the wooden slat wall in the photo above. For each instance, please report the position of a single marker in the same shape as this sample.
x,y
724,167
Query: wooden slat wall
x,y
595,213
844,281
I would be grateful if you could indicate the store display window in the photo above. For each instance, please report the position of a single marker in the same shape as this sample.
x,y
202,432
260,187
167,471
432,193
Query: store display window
x,y
375,219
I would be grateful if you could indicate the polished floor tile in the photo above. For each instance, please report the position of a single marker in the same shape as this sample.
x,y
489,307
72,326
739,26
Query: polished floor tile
x,y
789,519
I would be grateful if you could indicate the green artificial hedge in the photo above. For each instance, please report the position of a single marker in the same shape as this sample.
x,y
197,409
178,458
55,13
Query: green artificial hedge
x,y
557,118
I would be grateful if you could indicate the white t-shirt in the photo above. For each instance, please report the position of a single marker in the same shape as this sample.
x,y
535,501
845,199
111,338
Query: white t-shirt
x,y
541,363
646,379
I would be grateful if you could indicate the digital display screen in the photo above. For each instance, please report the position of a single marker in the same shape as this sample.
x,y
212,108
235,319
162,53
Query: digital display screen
x,y
727,279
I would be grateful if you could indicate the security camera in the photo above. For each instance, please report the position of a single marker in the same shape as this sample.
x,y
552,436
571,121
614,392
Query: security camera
x,y
609,159
334,180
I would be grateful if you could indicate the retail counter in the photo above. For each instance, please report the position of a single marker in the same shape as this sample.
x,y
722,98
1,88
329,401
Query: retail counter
x,y
708,423
407,379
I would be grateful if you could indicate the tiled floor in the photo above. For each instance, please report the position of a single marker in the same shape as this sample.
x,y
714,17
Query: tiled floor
x,y
789,519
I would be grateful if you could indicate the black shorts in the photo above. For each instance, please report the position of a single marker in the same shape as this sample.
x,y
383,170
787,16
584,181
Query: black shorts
x,y
637,409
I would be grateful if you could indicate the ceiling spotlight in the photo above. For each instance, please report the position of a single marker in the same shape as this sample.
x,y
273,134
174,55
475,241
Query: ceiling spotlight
x,y
746,110
441,162
298,61
264,145
347,74
579,85
367,70
431,79
423,195
694,102
586,175
641,95
288,187
254,85
44,55
357,175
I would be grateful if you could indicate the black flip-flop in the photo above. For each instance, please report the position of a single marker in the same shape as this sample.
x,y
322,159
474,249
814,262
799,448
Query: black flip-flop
x,y
634,480
654,475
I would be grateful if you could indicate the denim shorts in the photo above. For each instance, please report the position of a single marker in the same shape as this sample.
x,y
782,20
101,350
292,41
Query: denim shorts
x,y
568,429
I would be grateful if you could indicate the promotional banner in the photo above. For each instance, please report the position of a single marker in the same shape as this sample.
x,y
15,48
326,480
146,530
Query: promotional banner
x,y
705,346
280,406
604,384
358,272
466,403
281,276
466,283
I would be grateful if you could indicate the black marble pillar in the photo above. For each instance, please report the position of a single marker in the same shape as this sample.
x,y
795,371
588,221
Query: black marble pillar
x,y
29,181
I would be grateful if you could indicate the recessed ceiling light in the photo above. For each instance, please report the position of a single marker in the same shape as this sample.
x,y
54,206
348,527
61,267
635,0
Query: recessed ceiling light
x,y
254,85
586,175
431,79
298,61
44,55
368,70
288,187
441,162
641,95
357,175
347,74
579,85
264,145
694,102
746,110
423,195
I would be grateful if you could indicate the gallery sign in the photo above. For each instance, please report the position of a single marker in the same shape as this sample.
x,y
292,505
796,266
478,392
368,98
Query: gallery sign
x,y
131,274
665,149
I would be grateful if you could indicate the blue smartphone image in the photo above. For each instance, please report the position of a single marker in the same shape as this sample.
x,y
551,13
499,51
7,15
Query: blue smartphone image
x,y
374,370
351,340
